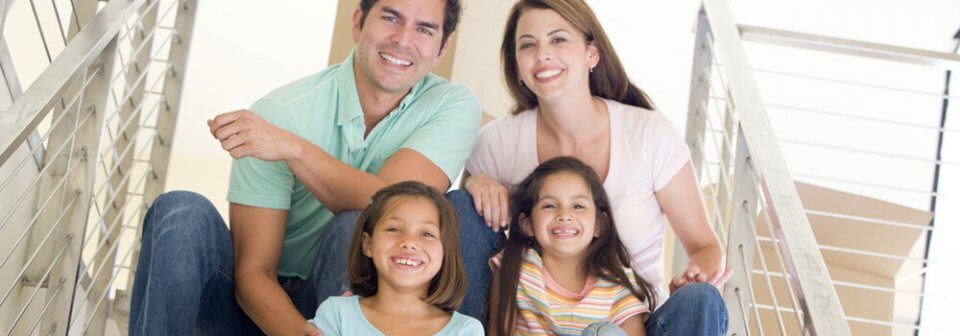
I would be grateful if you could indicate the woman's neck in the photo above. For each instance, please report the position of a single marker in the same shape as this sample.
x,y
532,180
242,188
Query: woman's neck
x,y
573,122
567,272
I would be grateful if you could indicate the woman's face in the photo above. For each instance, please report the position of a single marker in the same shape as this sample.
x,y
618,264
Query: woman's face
x,y
553,57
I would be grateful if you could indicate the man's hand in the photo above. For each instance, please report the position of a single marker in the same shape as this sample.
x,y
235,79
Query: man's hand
x,y
245,134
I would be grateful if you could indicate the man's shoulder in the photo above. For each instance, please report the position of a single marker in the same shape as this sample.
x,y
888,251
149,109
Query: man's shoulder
x,y
433,87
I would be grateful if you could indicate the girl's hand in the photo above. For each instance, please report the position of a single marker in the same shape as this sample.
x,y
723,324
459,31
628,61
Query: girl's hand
x,y
311,330
693,274
490,200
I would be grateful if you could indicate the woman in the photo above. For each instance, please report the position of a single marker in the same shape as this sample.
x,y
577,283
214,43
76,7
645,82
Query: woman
x,y
574,99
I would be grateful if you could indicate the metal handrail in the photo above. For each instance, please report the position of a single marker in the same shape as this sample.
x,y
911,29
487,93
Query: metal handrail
x,y
759,158
836,45
31,107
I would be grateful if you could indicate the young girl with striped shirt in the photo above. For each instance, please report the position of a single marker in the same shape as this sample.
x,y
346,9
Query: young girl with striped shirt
x,y
563,265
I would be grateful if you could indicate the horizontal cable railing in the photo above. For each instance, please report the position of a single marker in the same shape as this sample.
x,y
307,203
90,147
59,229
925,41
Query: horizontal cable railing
x,y
865,197
102,114
749,191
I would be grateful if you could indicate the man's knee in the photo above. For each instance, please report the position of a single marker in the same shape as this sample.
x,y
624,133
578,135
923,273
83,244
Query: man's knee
x,y
180,210
700,294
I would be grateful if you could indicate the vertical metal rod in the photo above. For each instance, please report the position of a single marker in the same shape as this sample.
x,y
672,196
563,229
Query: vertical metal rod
x,y
753,296
43,37
76,19
56,12
945,107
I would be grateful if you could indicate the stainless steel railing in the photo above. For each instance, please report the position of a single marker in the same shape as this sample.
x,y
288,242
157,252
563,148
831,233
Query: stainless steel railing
x,y
751,194
102,113
864,263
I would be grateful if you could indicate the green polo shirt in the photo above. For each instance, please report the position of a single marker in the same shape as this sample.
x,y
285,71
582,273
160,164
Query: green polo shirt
x,y
437,119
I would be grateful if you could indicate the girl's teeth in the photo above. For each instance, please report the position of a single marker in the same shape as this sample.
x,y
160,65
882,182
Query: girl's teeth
x,y
407,262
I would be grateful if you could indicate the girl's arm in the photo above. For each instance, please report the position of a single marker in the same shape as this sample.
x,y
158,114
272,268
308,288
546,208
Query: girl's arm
x,y
682,202
634,326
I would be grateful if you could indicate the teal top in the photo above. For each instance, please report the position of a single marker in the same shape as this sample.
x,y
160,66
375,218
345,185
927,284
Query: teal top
x,y
340,315
437,119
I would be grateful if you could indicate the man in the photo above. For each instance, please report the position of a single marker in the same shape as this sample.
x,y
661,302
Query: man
x,y
309,150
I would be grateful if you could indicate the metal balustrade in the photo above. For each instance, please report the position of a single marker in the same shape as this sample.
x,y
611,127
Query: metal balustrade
x,y
83,151
742,143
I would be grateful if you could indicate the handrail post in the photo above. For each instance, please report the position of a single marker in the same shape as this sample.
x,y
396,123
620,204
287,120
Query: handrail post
x,y
126,138
740,247
166,123
80,185
807,270
697,108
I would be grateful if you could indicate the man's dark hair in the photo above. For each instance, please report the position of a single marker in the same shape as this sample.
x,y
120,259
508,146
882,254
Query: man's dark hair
x,y
451,16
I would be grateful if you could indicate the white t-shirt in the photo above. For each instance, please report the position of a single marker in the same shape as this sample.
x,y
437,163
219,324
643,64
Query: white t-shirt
x,y
646,152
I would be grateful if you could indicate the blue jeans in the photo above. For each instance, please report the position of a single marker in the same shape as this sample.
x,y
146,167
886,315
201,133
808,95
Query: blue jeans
x,y
184,278
694,309
477,244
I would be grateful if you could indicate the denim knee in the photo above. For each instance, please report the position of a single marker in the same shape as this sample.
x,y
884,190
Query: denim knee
x,y
178,211
471,223
700,295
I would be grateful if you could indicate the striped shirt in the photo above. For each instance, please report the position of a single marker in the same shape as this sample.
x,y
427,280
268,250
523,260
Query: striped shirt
x,y
546,308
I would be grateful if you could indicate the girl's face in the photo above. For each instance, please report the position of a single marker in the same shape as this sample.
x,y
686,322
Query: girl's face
x,y
553,57
563,219
405,244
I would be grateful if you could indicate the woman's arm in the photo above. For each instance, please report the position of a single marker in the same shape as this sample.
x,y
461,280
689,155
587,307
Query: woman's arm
x,y
682,203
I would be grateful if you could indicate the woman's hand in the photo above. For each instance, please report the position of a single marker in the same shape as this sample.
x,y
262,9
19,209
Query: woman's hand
x,y
490,199
693,274
311,330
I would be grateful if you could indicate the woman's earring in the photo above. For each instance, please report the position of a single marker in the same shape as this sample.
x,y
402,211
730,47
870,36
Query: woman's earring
x,y
591,69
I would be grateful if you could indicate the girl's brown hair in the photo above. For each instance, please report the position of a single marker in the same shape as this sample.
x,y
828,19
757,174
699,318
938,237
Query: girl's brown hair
x,y
608,79
606,253
446,289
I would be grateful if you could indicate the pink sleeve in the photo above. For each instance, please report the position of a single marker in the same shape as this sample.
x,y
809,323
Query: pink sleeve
x,y
487,152
668,148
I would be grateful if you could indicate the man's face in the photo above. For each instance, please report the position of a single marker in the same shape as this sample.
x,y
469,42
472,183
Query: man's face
x,y
399,43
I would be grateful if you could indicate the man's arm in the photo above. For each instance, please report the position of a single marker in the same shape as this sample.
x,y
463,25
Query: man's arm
x,y
257,242
338,186
341,187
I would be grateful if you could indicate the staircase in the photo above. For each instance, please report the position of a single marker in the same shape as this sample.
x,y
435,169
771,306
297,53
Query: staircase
x,y
84,149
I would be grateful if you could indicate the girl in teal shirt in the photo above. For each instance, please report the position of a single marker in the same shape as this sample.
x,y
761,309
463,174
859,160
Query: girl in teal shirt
x,y
405,265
